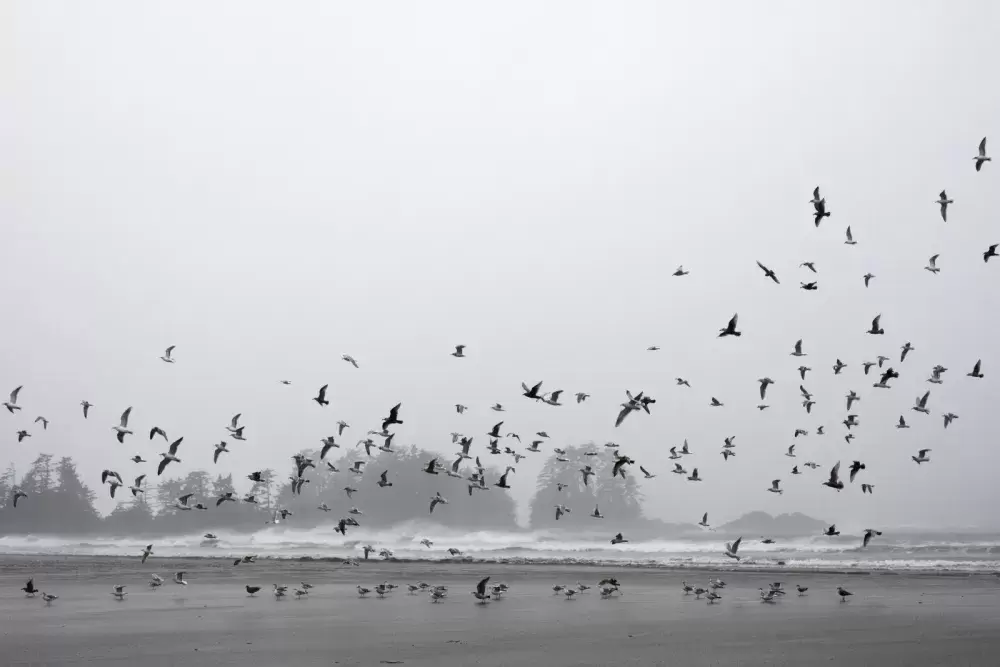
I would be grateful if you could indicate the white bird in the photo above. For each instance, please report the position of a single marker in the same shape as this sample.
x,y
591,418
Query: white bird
x,y
791,451
122,429
775,486
797,352
982,157
943,202
166,357
850,237
733,547
12,405
169,456
349,359
438,500
647,474
921,405
921,456
932,264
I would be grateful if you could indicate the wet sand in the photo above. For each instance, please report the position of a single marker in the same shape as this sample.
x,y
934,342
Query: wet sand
x,y
910,619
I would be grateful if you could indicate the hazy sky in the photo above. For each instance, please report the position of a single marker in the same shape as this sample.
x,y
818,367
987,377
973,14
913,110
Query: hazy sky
x,y
269,186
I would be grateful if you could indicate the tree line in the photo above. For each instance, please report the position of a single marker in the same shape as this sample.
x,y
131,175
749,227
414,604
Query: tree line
x,y
59,502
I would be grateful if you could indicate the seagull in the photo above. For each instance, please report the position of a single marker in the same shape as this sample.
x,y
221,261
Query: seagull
x,y
532,392
321,397
809,287
219,449
775,485
45,422
902,423
597,512
768,273
587,472
730,329
618,539
764,382
683,382
797,352
850,237
251,590
136,487
693,477
438,500
29,588
932,264
876,330
981,158
851,397
503,481
712,596
992,252
716,403
843,593
867,488
166,357
839,366
560,510
122,428
383,482
12,405
147,552
881,359
393,417
349,359
975,370
459,351
646,473
796,471
726,453
834,481
169,456
49,598
652,348
733,547
86,407
856,467
680,271
21,435
921,405
868,277
949,418
809,265
119,591
480,592
791,451
581,397
868,536
179,579
803,370
921,456
704,521
944,201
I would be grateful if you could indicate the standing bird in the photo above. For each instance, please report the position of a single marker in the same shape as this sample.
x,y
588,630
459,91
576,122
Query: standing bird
x,y
982,157
459,351
122,429
12,405
166,356
843,593
943,201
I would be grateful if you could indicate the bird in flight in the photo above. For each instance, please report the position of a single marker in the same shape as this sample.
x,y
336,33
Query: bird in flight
x,y
982,157
166,356
943,201
768,273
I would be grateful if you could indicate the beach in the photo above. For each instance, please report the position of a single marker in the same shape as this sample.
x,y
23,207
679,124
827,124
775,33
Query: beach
x,y
892,619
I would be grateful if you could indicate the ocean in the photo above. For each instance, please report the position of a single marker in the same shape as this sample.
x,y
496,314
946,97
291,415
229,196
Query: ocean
x,y
912,551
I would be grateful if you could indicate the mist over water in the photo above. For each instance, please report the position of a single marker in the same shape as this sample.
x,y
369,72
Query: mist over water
x,y
902,551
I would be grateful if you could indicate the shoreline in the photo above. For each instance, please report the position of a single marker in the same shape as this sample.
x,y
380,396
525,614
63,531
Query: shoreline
x,y
698,568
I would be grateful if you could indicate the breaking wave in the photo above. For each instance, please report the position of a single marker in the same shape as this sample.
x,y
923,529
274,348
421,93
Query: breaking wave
x,y
912,552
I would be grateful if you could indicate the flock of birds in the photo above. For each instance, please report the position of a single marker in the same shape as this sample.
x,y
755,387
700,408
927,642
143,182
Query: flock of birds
x,y
475,480
483,591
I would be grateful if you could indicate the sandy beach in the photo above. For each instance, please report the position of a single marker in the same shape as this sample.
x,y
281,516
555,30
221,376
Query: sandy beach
x,y
908,619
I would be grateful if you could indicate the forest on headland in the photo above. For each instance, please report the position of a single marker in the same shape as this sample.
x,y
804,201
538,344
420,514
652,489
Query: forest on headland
x,y
58,502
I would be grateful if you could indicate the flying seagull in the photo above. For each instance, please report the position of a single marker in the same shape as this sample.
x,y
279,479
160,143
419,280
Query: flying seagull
x,y
680,271
932,264
768,273
12,405
850,237
797,352
438,500
876,329
943,201
921,456
730,329
169,456
834,481
733,547
975,370
321,397
86,407
982,157
809,265
459,351
166,357
868,277
45,422
122,429
349,359
992,252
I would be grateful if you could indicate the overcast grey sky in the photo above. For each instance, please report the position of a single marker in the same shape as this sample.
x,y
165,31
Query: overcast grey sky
x,y
268,186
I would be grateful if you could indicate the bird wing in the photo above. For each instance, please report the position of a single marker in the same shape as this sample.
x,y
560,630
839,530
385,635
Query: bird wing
x,y
850,237
835,473
621,415
876,321
704,518
394,412
481,586
734,320
982,147
933,260
138,480
775,483
174,445
234,420
736,544
169,350
384,474
644,471
124,419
